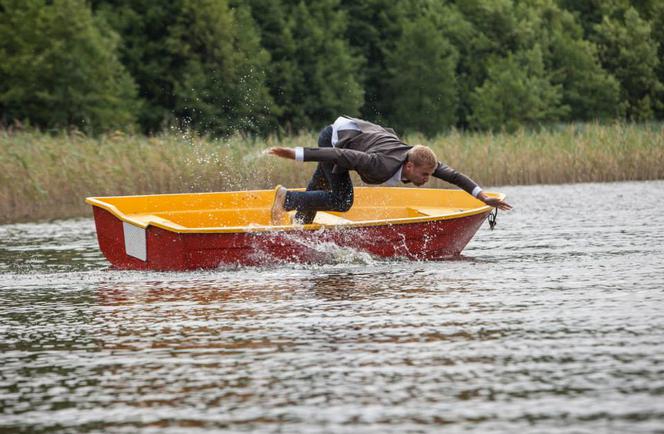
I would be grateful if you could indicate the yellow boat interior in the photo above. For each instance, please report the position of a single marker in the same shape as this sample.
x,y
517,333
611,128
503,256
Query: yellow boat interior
x,y
249,211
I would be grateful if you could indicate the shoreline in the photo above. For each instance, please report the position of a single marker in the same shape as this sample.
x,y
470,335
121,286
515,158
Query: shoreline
x,y
47,177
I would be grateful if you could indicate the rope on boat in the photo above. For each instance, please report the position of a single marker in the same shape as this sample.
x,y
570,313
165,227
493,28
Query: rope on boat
x,y
492,218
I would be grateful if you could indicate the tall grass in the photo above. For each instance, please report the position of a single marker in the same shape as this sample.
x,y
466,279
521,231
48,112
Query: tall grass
x,y
44,176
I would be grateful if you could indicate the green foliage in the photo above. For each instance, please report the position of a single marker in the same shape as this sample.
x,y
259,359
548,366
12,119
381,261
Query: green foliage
x,y
221,68
258,66
480,30
277,39
589,91
374,29
59,68
657,24
628,51
314,75
422,79
517,92
143,26
590,12
197,62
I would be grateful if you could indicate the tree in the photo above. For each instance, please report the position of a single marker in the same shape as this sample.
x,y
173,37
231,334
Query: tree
x,y
143,26
589,91
481,30
517,92
316,73
422,82
590,12
374,27
658,35
330,83
629,52
220,86
276,37
60,67
197,62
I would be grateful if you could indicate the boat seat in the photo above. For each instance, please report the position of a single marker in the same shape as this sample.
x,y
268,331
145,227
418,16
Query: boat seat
x,y
434,211
151,218
324,218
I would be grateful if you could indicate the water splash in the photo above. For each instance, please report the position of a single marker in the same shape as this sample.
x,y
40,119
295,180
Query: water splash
x,y
317,250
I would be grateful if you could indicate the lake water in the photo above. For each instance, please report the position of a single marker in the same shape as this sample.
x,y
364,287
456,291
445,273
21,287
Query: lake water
x,y
551,323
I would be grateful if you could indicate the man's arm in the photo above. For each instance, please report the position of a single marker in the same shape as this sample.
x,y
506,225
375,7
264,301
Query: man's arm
x,y
347,158
448,174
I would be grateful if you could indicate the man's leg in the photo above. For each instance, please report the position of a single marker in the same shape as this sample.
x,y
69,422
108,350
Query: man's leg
x,y
326,191
338,198
318,180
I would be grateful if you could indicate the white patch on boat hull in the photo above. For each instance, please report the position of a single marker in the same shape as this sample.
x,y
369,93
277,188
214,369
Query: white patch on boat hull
x,y
135,241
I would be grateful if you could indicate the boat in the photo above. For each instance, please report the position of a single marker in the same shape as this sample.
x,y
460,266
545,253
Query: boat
x,y
207,230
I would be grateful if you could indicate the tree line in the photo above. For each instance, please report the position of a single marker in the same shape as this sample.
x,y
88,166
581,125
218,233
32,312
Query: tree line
x,y
264,66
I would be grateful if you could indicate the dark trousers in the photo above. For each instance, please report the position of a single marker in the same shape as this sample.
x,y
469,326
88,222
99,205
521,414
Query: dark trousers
x,y
326,191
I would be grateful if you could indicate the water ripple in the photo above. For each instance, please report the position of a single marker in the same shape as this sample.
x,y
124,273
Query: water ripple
x,y
551,323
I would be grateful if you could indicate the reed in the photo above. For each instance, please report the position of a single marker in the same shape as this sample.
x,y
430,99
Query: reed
x,y
47,176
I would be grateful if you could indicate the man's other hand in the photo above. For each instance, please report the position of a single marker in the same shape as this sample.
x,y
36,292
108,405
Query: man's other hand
x,y
282,152
494,202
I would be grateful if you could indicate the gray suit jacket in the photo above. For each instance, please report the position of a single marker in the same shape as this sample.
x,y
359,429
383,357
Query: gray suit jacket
x,y
376,153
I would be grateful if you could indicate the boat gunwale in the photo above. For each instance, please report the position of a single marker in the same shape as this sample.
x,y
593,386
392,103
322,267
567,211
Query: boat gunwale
x,y
98,202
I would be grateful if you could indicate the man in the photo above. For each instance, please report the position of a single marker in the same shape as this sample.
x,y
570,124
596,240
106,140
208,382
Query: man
x,y
376,154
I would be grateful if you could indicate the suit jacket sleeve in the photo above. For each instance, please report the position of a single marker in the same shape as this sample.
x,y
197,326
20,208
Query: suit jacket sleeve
x,y
349,159
446,173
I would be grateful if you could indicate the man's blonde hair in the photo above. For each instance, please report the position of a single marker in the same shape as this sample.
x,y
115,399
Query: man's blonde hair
x,y
422,156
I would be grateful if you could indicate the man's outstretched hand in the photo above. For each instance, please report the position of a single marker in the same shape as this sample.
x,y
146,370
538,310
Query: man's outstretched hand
x,y
494,202
282,152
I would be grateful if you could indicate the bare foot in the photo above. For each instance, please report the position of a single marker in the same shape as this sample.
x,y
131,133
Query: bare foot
x,y
279,214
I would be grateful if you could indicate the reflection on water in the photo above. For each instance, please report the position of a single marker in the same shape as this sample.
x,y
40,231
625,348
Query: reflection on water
x,y
551,323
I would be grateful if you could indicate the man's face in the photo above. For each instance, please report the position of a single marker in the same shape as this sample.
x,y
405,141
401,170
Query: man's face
x,y
418,175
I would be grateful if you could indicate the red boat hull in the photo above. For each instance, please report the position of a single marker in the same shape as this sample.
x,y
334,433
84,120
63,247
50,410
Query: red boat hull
x,y
168,250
